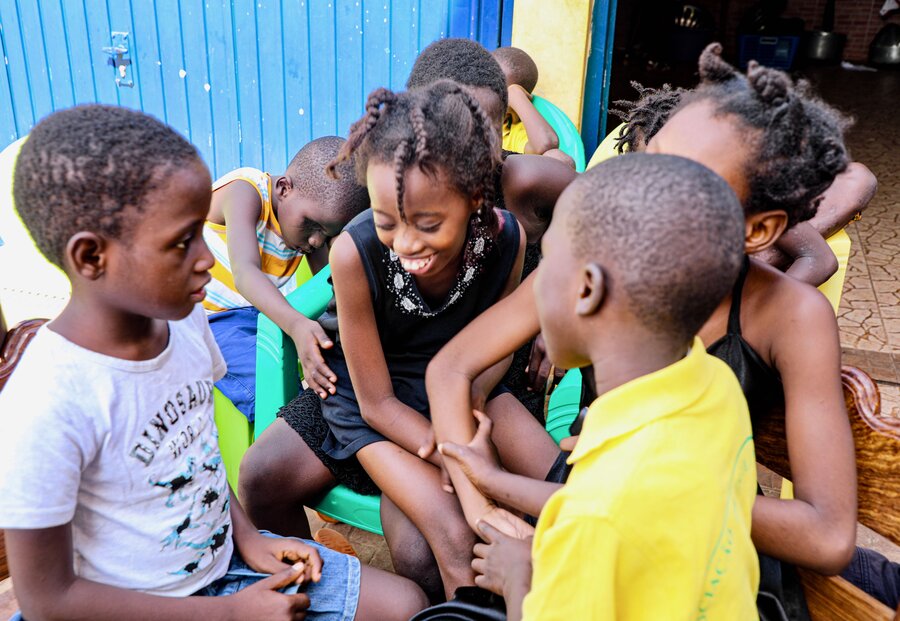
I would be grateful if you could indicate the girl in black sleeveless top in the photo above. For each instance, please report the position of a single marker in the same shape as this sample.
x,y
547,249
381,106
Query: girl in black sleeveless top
x,y
408,275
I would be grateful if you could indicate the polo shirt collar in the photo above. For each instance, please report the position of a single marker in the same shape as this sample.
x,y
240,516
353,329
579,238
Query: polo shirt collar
x,y
644,400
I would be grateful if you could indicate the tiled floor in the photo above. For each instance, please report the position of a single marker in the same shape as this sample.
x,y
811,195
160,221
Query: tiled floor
x,y
869,315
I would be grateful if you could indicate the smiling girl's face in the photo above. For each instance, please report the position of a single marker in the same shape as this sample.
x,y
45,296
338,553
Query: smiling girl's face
x,y
429,240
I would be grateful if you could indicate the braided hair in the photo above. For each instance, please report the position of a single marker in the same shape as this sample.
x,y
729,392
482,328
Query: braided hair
x,y
799,138
440,128
645,116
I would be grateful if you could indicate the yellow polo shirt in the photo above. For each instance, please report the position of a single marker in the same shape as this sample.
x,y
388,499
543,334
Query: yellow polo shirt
x,y
654,520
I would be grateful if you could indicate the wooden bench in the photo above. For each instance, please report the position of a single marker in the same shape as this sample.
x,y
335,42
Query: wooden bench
x,y
877,443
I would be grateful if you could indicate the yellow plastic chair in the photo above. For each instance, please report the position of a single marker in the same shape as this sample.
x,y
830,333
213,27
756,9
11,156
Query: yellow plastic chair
x,y
607,147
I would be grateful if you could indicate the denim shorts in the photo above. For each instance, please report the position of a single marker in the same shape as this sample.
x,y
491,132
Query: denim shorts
x,y
235,333
876,575
333,598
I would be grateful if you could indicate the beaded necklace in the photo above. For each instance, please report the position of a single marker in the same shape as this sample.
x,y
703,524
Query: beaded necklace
x,y
407,297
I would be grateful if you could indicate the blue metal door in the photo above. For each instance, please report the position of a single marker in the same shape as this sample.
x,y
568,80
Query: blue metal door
x,y
247,81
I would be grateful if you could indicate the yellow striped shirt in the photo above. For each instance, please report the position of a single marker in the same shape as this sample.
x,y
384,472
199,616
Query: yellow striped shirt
x,y
277,261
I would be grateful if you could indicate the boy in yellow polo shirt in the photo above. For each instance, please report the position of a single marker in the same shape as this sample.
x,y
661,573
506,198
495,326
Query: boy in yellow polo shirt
x,y
654,519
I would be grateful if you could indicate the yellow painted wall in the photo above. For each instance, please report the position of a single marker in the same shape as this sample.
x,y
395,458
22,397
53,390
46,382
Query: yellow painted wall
x,y
556,34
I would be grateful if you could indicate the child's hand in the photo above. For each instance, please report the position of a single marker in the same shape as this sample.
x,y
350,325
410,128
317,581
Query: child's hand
x,y
309,336
505,522
271,555
263,602
539,368
478,459
568,443
519,91
428,452
502,562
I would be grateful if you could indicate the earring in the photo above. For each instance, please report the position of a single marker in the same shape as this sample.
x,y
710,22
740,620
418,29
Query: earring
x,y
480,215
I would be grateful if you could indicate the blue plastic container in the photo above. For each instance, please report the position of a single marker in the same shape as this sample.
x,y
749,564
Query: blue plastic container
x,y
772,51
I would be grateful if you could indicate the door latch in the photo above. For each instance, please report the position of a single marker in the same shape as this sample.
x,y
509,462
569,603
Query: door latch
x,y
117,53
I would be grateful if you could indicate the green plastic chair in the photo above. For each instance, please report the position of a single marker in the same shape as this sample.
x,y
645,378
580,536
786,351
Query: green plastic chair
x,y
278,381
569,139
236,433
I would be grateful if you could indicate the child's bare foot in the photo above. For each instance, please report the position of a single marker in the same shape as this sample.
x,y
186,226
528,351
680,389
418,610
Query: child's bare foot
x,y
333,540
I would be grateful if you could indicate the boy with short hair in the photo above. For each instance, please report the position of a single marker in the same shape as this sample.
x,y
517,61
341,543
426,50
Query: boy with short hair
x,y
260,227
654,519
113,495
525,130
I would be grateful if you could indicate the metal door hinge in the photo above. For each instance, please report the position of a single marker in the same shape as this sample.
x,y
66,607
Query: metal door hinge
x,y
117,58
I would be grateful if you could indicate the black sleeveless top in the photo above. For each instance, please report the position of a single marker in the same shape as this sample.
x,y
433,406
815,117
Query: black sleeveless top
x,y
411,331
780,594
760,383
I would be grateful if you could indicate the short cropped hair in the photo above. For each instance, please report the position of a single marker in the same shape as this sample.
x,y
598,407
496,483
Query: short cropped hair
x,y
464,61
84,168
342,196
518,67
668,231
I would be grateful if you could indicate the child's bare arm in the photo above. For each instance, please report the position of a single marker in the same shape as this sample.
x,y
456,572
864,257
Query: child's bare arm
x,y
241,208
47,588
541,137
531,186
378,404
489,338
478,460
272,555
817,529
848,195
488,379
813,260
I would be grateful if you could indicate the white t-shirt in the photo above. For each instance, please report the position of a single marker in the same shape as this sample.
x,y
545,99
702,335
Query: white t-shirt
x,y
127,451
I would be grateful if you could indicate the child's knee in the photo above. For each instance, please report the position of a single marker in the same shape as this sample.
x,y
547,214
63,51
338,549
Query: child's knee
x,y
262,476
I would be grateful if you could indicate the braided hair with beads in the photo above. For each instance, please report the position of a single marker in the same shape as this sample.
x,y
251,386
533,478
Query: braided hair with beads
x,y
440,128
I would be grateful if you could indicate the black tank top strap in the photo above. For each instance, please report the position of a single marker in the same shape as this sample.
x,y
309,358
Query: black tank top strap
x,y
734,315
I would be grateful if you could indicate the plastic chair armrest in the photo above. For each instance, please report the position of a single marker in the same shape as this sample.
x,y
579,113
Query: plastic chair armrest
x,y
277,369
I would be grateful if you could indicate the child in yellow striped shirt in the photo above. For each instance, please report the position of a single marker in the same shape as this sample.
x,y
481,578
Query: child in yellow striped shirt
x,y
259,228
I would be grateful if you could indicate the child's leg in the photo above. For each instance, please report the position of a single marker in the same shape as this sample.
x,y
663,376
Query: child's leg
x,y
876,575
384,596
347,590
410,554
280,474
524,445
414,485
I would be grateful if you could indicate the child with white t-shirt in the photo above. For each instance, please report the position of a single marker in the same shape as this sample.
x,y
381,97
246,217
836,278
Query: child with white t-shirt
x,y
113,494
